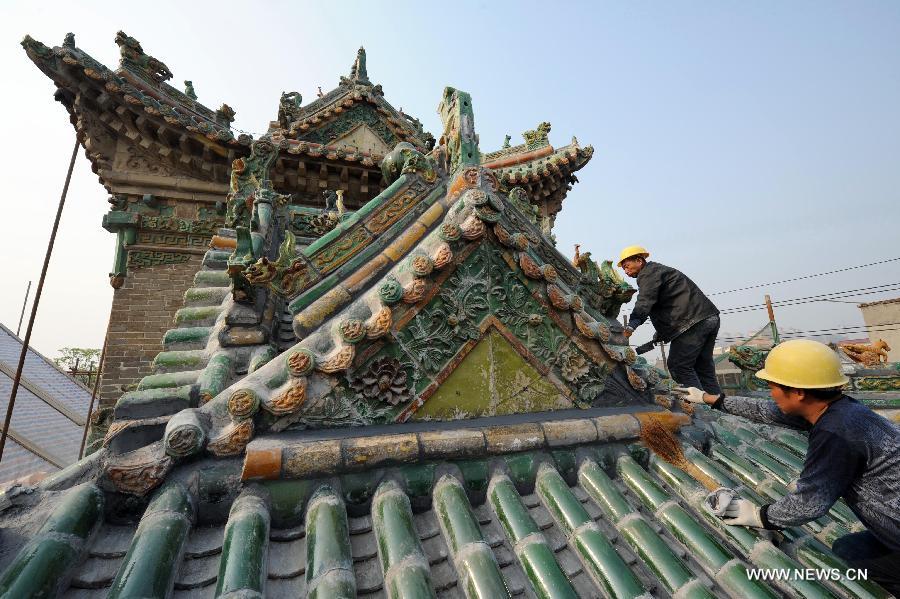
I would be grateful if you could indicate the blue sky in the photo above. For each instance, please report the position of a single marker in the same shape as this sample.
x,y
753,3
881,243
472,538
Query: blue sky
x,y
740,142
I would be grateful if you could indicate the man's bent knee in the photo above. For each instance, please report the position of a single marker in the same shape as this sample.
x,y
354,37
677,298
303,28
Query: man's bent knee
x,y
843,547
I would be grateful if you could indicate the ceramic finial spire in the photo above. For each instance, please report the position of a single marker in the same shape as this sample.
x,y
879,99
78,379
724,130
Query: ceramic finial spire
x,y
358,71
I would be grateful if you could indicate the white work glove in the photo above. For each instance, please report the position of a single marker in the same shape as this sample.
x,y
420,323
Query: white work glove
x,y
740,512
691,394
719,499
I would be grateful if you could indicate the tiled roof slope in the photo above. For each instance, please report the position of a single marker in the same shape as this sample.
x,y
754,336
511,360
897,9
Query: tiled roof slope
x,y
583,520
43,437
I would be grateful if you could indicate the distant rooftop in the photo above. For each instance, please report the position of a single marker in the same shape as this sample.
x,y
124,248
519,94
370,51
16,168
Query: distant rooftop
x,y
896,300
48,419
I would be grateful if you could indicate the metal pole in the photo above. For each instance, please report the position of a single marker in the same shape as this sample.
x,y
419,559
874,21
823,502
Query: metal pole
x,y
25,303
87,421
37,300
662,349
772,324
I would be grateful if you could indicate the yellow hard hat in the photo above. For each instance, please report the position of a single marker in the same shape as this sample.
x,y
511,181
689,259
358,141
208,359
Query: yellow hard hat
x,y
803,364
633,250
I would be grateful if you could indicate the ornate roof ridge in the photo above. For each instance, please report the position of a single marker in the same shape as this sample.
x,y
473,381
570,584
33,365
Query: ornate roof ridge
x,y
560,162
134,82
534,139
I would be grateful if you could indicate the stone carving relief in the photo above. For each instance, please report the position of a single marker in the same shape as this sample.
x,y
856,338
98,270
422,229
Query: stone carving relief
x,y
383,381
537,137
870,355
289,108
613,290
133,56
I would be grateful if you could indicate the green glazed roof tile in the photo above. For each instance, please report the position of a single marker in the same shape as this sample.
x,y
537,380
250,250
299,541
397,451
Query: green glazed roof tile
x,y
610,527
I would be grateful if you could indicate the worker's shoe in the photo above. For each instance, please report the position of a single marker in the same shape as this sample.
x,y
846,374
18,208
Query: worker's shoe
x,y
803,364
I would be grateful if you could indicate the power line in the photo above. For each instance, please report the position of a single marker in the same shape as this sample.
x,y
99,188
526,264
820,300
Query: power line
x,y
833,331
811,299
814,296
795,333
794,336
801,335
831,294
819,274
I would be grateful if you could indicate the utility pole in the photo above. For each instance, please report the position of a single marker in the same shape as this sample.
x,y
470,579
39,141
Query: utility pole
x,y
34,304
772,324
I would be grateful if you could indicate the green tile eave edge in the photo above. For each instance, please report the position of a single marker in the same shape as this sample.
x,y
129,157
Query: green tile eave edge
x,y
329,562
403,561
750,544
644,541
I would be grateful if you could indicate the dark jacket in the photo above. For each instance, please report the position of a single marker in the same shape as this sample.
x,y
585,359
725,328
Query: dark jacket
x,y
673,302
853,453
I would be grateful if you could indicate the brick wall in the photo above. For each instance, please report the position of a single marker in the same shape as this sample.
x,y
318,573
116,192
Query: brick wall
x,y
143,309
881,319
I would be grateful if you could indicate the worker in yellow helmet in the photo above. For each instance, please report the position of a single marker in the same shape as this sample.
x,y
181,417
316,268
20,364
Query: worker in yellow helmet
x,y
853,454
681,314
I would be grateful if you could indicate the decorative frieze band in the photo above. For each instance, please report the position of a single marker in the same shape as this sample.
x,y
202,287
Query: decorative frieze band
x,y
141,258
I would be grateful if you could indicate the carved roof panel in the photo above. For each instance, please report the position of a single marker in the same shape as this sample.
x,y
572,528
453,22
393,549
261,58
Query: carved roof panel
x,y
350,104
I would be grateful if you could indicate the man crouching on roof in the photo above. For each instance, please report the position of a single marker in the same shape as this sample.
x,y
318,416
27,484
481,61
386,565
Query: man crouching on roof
x,y
853,453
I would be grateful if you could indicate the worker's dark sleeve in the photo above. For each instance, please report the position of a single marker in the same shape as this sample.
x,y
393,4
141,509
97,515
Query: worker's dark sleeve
x,y
760,410
830,468
648,293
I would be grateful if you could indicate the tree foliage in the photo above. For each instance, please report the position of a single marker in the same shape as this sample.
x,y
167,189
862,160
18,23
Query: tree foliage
x,y
82,359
